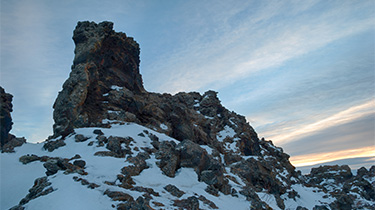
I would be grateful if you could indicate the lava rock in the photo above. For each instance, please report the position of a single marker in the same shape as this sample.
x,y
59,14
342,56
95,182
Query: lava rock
x,y
79,163
5,117
174,190
25,159
80,138
169,158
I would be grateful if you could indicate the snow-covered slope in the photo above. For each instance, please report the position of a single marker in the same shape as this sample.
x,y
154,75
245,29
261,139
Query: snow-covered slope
x,y
99,185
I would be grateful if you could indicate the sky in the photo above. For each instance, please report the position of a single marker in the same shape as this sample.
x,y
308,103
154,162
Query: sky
x,y
301,72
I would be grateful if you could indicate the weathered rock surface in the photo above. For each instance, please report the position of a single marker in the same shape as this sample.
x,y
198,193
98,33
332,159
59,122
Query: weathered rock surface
x,y
350,191
5,117
105,89
7,141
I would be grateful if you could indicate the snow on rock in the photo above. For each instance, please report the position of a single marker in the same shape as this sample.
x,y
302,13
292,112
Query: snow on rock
x,y
106,175
117,88
226,132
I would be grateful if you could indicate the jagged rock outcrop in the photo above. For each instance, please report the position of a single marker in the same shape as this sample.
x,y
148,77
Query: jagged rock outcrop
x,y
350,191
105,87
135,165
7,141
104,60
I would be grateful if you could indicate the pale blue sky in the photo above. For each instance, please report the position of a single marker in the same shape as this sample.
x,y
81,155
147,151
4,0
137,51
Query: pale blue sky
x,y
295,69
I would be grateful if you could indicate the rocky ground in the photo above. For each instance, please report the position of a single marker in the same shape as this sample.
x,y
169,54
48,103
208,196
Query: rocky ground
x,y
126,148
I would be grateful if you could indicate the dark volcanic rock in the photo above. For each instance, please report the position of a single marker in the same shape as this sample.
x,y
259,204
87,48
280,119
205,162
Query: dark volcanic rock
x,y
39,189
7,141
5,117
209,170
104,60
174,190
191,203
169,158
105,84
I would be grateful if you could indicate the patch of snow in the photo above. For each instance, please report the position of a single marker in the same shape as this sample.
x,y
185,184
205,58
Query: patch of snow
x,y
114,112
268,199
16,178
186,179
227,132
252,156
207,148
115,87
310,197
70,195
207,117
106,94
163,126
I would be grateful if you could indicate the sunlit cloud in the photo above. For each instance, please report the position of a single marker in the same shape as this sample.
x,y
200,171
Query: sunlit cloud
x,y
293,133
318,158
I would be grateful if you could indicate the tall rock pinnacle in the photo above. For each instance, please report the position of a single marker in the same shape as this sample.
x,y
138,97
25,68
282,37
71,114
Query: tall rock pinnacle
x,y
105,87
103,59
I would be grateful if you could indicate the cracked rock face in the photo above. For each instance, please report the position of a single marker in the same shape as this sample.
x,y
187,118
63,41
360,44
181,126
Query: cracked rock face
x,y
103,60
105,86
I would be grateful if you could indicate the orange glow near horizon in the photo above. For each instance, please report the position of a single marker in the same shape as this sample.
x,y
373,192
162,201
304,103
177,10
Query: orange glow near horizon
x,y
317,158
339,118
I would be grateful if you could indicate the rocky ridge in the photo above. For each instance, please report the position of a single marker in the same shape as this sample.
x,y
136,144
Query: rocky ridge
x,y
104,106
7,140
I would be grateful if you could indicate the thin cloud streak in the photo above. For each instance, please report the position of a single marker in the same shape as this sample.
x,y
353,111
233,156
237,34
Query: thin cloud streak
x,y
236,52
318,158
293,133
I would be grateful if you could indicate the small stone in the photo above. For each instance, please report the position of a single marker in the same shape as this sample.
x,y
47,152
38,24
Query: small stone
x,y
174,190
80,138
52,145
51,166
79,163
191,203
28,159
141,135
98,132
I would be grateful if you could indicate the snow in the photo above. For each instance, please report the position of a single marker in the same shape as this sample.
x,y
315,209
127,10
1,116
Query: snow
x,y
106,94
253,157
115,87
310,197
186,179
207,148
227,132
163,126
196,103
16,178
70,195
268,199
114,112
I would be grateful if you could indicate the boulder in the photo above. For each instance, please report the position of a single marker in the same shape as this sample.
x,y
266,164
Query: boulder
x,y
173,190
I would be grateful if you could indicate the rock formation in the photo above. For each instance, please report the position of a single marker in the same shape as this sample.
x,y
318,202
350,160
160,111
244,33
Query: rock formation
x,y
104,112
7,140
6,119
104,60
105,87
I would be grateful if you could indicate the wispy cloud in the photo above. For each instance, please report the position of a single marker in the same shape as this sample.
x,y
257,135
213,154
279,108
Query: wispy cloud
x,y
292,133
318,158
254,45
